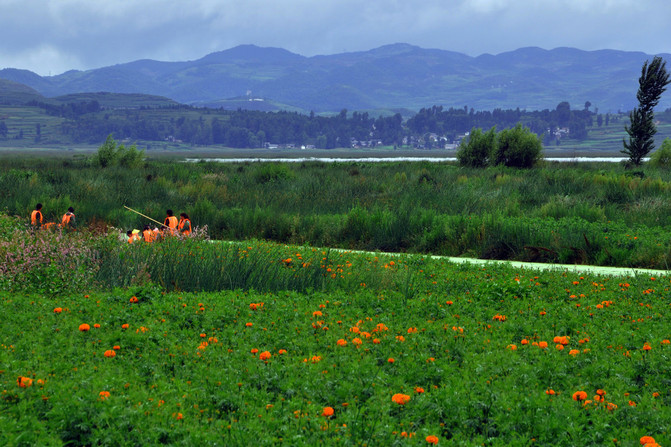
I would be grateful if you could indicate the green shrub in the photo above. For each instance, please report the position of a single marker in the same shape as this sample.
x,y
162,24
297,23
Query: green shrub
x,y
517,147
477,150
661,158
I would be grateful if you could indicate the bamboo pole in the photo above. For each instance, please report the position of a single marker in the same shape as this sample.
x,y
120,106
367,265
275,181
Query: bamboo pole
x,y
137,212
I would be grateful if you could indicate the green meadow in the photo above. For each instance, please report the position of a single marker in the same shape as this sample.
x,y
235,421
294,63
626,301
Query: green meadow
x,y
257,330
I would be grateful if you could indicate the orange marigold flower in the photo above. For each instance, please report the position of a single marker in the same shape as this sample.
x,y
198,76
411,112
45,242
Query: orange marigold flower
x,y
559,347
124,326
104,395
376,341
611,406
317,313
524,342
24,382
646,346
647,440
655,394
249,324
543,312
512,347
254,350
574,352
400,338
400,399
341,342
110,353
133,299
116,347
179,416
431,439
58,310
357,341
579,395
632,403
265,355
97,326
412,330
600,392
84,327
419,390
390,360
316,359
327,412
550,392
543,344
449,303
282,351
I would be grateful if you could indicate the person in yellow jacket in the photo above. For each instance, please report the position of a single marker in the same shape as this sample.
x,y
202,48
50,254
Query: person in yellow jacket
x,y
36,217
68,221
170,222
184,225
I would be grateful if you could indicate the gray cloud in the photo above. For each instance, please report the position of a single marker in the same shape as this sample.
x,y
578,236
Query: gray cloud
x,y
54,36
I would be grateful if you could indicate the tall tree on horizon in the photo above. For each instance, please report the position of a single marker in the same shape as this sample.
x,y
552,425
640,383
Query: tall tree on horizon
x,y
652,83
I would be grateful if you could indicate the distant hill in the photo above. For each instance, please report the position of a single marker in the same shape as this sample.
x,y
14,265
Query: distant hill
x,y
391,77
14,93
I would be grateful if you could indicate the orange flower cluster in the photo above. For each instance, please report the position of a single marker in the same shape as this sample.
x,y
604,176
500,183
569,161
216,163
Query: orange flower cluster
x,y
400,399
648,441
498,317
255,306
58,310
84,327
133,299
265,356
563,340
24,382
327,412
110,353
104,395
431,439
579,395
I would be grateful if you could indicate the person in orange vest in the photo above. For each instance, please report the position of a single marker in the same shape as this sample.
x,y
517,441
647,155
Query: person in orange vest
x,y
133,235
36,217
147,234
170,222
68,221
184,226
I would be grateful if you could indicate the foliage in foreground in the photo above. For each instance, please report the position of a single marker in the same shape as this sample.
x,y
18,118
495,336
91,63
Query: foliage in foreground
x,y
466,354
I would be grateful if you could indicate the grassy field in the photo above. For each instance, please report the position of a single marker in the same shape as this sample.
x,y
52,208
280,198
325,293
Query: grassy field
x,y
145,345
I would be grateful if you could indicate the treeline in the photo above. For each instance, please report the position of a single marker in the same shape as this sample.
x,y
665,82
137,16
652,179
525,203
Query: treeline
x,y
547,123
89,122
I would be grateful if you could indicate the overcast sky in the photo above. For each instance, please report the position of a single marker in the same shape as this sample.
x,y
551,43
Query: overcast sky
x,y
53,36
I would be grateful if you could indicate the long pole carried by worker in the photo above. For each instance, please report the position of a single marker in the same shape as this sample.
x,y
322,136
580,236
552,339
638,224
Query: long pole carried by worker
x,y
137,212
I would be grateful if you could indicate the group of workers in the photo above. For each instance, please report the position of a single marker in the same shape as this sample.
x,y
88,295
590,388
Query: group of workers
x,y
68,221
171,226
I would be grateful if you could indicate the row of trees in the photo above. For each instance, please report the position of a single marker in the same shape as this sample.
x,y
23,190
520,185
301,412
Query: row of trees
x,y
89,122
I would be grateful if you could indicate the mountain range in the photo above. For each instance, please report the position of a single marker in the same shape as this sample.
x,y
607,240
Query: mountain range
x,y
393,77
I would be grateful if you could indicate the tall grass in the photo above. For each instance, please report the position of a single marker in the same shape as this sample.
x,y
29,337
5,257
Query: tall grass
x,y
556,212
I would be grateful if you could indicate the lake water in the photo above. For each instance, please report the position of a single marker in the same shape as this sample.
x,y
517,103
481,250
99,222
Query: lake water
x,y
386,159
